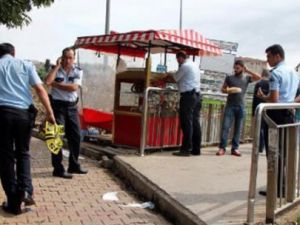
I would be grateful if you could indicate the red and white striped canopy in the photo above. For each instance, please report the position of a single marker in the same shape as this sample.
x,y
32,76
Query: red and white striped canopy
x,y
137,43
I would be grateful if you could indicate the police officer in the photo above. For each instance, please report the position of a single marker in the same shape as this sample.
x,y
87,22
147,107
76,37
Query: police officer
x,y
65,79
284,82
17,116
188,80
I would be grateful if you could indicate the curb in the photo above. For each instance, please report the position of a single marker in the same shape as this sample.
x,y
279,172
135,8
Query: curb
x,y
167,205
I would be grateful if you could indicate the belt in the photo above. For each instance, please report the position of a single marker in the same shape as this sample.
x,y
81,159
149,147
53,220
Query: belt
x,y
9,108
22,113
190,92
63,103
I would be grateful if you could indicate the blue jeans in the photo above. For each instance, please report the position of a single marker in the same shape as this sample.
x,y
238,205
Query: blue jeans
x,y
236,113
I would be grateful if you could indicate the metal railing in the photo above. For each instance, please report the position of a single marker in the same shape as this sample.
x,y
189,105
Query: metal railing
x,y
283,173
158,102
161,103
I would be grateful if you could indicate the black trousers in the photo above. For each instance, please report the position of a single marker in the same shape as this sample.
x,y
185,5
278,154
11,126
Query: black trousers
x,y
189,113
15,134
67,116
283,116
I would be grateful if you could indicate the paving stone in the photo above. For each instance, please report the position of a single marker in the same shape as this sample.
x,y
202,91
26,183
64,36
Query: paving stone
x,y
77,201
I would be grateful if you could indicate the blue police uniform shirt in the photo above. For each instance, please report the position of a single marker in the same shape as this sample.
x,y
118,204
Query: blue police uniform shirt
x,y
74,77
188,77
286,81
16,79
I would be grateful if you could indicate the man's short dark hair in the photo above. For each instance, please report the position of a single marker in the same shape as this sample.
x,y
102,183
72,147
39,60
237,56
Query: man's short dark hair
x,y
181,54
276,49
6,48
67,49
239,62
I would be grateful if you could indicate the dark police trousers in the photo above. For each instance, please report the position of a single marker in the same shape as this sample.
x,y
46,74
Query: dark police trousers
x,y
189,113
15,133
67,114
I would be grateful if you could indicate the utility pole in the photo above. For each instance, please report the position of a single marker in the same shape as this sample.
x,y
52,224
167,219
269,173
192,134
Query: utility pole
x,y
180,16
107,20
107,17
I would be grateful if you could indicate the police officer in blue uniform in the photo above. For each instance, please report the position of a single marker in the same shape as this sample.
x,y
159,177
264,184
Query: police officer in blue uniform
x,y
17,115
284,82
65,79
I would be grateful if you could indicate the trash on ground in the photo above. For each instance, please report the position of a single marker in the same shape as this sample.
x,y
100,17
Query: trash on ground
x,y
110,196
144,205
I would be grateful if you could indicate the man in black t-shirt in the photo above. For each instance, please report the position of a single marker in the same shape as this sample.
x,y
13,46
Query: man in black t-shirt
x,y
235,86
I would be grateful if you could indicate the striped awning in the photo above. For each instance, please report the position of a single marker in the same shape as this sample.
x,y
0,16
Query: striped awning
x,y
137,43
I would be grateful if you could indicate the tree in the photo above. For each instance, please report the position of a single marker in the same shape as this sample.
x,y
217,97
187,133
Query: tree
x,y
14,12
44,70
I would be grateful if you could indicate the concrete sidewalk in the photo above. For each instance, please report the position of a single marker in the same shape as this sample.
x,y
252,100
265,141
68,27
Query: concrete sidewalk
x,y
213,187
78,201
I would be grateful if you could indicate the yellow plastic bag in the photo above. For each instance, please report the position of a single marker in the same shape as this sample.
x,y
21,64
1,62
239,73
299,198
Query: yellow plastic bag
x,y
53,136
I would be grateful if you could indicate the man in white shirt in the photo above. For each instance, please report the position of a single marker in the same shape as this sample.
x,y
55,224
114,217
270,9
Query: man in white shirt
x,y
65,79
188,80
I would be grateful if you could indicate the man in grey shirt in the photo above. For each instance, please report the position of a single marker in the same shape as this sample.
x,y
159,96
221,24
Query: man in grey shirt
x,y
235,86
188,80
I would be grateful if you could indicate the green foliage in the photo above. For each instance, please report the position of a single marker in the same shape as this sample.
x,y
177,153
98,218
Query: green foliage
x,y
14,12
42,72
213,101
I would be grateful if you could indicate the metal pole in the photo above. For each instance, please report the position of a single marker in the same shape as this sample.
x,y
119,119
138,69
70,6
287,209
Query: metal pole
x,y
254,165
107,17
144,119
272,174
107,20
180,17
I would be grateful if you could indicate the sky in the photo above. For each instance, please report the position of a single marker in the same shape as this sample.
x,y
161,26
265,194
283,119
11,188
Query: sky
x,y
254,24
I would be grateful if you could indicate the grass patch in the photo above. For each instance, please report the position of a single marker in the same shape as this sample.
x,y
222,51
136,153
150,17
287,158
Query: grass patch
x,y
213,101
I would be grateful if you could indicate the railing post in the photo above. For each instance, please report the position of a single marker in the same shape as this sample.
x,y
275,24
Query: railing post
x,y
254,166
222,108
209,116
272,175
243,136
291,163
144,122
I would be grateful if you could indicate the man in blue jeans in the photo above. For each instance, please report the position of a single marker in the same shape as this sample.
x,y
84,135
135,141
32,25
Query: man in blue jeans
x,y
235,86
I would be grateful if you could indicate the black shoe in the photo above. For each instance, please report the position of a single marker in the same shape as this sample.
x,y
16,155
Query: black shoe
x,y
27,198
78,170
64,175
195,153
262,193
16,210
181,153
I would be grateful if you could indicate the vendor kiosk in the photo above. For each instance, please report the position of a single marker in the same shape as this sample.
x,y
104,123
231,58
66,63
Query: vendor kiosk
x,y
145,111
